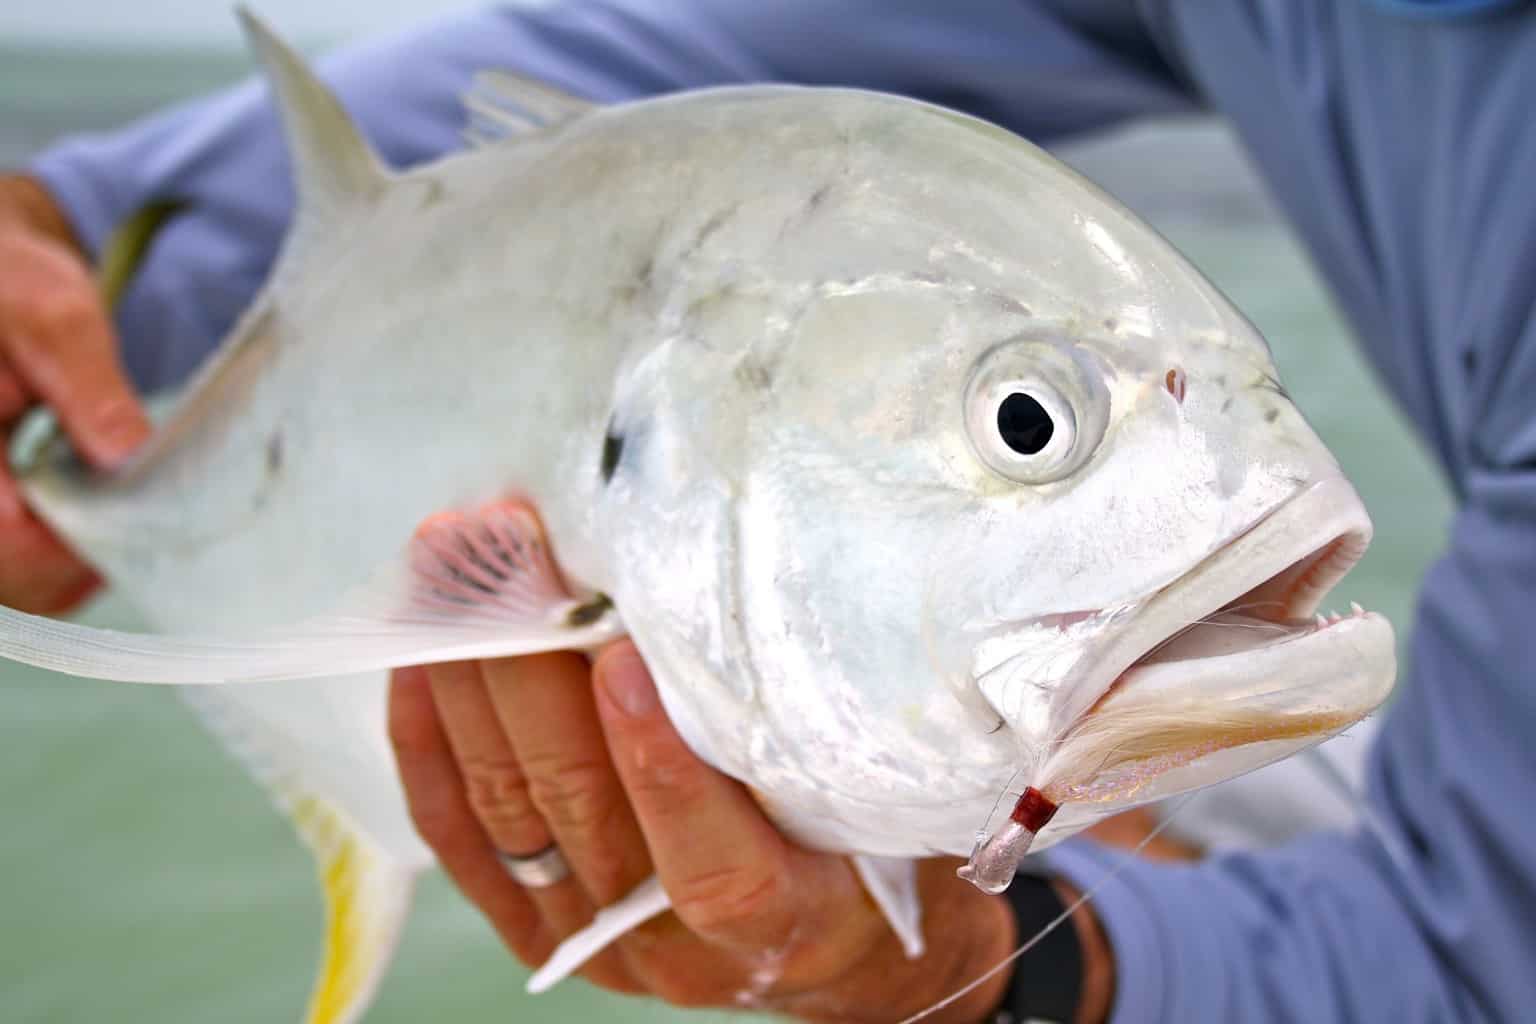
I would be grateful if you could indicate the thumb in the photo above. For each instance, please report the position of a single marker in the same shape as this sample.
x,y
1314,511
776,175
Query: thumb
x,y
59,343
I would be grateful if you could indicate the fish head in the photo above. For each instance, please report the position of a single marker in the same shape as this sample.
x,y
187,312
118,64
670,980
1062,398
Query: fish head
x,y
1119,543
1133,592
1017,499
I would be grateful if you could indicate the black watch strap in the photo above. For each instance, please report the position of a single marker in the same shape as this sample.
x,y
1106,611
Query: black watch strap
x,y
1048,980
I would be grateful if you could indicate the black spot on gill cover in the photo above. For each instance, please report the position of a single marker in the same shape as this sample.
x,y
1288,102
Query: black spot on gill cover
x,y
613,450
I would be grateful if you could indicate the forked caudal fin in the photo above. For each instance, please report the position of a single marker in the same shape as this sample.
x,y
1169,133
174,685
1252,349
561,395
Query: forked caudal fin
x,y
470,586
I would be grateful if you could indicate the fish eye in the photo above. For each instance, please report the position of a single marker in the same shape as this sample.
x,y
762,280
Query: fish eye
x,y
1024,423
1035,410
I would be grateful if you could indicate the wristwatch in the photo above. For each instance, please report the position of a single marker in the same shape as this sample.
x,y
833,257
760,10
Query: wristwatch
x,y
1047,981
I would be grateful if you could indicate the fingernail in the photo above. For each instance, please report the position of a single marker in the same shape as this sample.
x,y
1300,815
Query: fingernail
x,y
120,430
624,678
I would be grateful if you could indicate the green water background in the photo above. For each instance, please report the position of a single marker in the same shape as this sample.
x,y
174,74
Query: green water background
x,y
144,878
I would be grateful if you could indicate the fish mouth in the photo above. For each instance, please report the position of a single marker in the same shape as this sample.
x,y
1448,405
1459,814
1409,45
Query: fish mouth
x,y
1227,669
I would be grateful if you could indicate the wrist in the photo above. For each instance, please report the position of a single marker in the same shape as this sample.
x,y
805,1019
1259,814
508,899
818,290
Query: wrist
x,y
1067,976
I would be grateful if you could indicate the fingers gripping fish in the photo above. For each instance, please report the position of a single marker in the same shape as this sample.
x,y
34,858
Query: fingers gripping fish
x,y
917,468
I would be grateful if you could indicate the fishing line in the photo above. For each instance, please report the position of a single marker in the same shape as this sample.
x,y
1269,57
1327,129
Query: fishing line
x,y
982,833
1227,609
1053,924
1210,621
1263,627
1372,822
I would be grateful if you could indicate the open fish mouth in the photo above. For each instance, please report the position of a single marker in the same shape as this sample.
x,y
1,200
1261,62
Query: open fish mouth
x,y
1250,626
1220,673
1231,656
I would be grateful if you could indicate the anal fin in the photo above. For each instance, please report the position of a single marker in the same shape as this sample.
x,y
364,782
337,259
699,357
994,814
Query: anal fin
x,y
314,747
367,898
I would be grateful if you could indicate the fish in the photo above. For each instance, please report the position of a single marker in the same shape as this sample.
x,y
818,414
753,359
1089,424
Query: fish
x,y
924,475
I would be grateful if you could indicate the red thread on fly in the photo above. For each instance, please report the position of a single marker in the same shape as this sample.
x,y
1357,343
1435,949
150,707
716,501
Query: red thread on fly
x,y
996,858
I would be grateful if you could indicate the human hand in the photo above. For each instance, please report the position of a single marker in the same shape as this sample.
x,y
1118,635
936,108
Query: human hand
x,y
517,753
57,348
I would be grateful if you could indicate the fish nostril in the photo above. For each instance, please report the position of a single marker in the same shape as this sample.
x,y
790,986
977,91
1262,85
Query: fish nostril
x,y
1175,382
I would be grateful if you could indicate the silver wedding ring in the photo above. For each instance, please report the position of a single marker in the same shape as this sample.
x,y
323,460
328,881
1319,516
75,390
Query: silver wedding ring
x,y
538,870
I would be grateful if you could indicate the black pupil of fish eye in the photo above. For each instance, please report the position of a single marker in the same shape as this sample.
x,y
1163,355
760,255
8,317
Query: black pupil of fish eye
x,y
1025,425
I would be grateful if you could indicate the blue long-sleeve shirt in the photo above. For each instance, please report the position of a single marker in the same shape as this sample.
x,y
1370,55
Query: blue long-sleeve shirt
x,y
1403,149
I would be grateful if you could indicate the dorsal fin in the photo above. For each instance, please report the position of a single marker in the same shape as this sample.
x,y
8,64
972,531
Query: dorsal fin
x,y
335,170
502,105
338,179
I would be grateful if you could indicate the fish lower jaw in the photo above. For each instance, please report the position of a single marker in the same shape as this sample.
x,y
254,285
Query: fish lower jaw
x,y
1159,734
1181,723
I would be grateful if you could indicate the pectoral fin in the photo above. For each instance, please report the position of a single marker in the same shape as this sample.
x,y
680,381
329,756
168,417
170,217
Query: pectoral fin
x,y
470,585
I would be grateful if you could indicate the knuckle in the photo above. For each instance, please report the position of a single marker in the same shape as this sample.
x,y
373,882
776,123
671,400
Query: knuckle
x,y
732,900
498,794
572,794
60,311
666,781
533,946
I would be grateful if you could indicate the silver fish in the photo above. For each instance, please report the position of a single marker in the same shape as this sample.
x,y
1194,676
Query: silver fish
x,y
919,469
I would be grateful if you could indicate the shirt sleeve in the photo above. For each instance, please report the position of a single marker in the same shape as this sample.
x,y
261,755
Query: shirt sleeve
x,y
1393,143
1038,70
